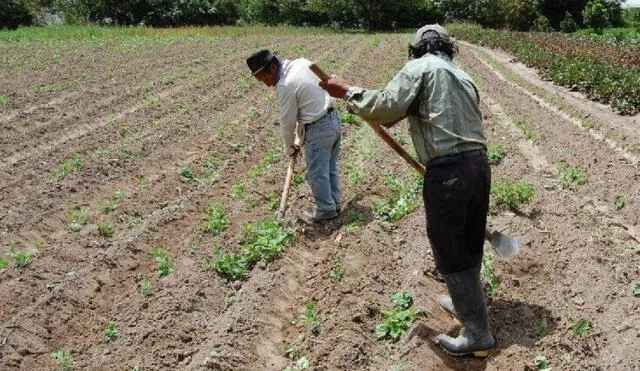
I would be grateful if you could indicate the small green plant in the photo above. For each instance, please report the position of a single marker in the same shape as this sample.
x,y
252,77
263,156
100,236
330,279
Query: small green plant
x,y
636,290
216,220
400,366
351,119
66,168
541,363
146,288
528,132
489,275
619,203
229,299
237,191
293,351
336,272
301,364
496,153
20,258
298,179
108,206
105,229
111,332
78,218
118,194
165,265
274,200
231,266
3,100
398,319
582,327
186,174
3,262
510,195
403,199
572,177
310,316
63,358
356,176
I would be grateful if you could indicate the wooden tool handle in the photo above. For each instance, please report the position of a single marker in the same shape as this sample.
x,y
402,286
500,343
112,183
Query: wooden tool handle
x,y
287,185
319,72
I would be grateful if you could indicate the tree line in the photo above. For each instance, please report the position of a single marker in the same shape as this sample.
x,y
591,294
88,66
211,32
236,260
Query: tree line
x,y
523,15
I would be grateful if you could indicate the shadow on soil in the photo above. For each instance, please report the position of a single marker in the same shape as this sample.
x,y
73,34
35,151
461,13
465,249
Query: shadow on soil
x,y
512,322
353,214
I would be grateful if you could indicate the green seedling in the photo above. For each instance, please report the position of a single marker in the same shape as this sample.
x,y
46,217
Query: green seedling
x,y
336,272
237,147
398,319
582,327
496,153
105,229
20,258
528,132
237,191
3,263
403,200
619,203
63,358
264,240
274,201
572,177
3,100
298,179
231,266
356,176
489,275
186,174
541,363
146,288
293,351
510,195
111,332
229,299
216,219
636,290
78,218
67,168
310,317
165,265
108,206
351,119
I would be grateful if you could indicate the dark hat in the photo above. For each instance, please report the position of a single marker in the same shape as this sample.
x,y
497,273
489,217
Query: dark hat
x,y
259,60
429,31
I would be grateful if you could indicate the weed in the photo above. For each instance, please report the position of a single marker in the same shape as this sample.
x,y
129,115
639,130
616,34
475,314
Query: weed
x,y
63,358
274,200
293,351
259,170
582,327
108,206
356,176
237,191
237,148
336,272
527,130
310,316
231,266
216,219
541,363
105,229
20,258
636,290
298,179
186,174
350,118
111,332
572,177
403,200
251,203
300,49
185,108
229,299
165,266
3,263
510,195
102,153
619,203
143,182
3,100
118,194
398,319
66,168
78,218
145,288
489,275
496,153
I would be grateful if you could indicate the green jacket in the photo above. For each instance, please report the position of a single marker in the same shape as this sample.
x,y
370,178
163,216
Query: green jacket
x,y
440,101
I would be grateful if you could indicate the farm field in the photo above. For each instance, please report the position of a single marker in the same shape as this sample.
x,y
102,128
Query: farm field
x,y
129,165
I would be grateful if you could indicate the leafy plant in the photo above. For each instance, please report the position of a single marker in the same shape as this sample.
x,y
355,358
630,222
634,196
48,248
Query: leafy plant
x,y
293,351
541,363
265,240
356,176
301,364
336,272
310,316
165,265
3,100
20,258
636,290
403,199
111,332
66,168
237,191
231,266
108,206
105,229
63,358
582,327
350,118
571,177
229,299
145,288
496,153
118,194
489,275
186,174
78,218
510,195
298,179
398,319
3,262
619,203
216,220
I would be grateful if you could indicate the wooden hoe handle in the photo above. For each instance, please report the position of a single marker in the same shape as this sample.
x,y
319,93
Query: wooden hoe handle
x,y
287,185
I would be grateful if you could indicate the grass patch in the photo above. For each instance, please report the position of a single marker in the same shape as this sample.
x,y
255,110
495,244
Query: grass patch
x,y
146,288
237,191
111,332
398,319
108,206
63,359
105,229
508,195
619,203
20,258
336,272
351,119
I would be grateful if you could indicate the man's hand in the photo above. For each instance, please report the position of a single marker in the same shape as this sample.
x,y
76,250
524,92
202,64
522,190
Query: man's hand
x,y
335,86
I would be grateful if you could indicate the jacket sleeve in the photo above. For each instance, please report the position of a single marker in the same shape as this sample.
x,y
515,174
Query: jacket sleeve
x,y
288,117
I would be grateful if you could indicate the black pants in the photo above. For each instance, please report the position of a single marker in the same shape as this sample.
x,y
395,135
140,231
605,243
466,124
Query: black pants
x,y
456,197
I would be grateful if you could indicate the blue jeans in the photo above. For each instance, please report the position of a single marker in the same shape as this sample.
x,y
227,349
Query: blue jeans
x,y
321,150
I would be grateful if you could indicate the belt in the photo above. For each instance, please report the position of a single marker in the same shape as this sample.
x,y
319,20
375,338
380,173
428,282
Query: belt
x,y
330,110
452,159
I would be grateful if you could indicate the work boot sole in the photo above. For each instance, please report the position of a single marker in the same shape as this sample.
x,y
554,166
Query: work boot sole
x,y
475,353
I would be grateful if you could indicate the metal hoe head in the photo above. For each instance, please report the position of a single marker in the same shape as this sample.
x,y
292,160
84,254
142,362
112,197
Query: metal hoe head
x,y
504,246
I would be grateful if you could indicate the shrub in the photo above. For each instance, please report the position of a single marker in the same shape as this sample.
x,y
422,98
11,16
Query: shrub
x,y
568,24
596,15
14,13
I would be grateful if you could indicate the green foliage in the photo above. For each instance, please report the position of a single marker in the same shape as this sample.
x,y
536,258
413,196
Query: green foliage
x,y
301,364
541,363
237,191
105,229
568,24
336,272
3,262
541,24
596,15
146,288
356,176
63,358
162,257
108,206
496,153
20,258
231,266
78,218
487,272
572,177
403,199
14,13
310,316
186,174
216,219
398,319
298,179
3,100
520,15
66,168
510,195
636,290
111,332
582,327
619,203
351,119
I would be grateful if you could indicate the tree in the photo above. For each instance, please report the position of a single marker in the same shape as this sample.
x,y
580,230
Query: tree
x,y
521,14
541,24
14,13
568,24
596,15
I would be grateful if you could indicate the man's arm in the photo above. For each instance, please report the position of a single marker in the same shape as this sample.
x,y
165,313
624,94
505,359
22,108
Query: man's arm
x,y
288,117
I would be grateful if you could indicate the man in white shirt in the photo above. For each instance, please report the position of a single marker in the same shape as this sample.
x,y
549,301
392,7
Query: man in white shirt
x,y
307,117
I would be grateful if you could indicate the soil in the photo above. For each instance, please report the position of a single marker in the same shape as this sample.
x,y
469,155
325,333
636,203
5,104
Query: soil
x,y
138,110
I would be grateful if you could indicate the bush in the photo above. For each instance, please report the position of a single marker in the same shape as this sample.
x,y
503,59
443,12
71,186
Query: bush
x,y
541,24
14,13
521,14
596,15
568,24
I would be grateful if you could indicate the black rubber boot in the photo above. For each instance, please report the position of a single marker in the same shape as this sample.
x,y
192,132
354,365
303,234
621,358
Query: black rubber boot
x,y
470,306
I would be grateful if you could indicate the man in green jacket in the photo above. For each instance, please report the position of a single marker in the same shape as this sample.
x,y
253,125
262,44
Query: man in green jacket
x,y
441,104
